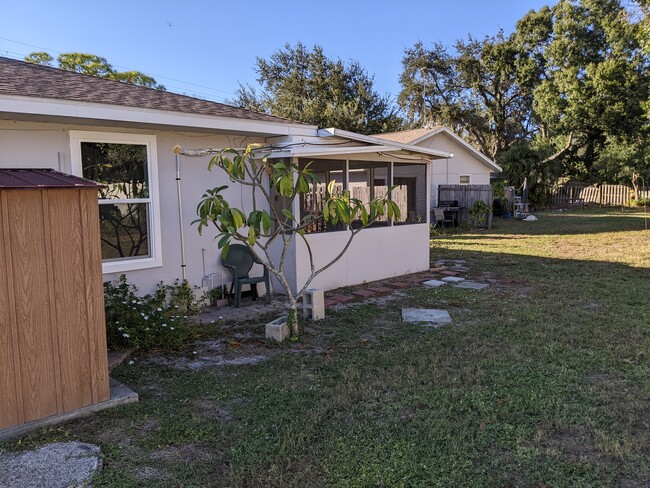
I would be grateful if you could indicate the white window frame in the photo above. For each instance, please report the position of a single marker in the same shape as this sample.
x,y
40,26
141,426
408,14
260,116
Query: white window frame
x,y
155,240
469,177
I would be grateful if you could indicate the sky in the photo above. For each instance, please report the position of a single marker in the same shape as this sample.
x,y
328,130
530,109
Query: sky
x,y
206,49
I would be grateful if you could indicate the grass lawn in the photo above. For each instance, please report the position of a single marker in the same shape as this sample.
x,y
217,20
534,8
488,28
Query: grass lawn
x,y
542,380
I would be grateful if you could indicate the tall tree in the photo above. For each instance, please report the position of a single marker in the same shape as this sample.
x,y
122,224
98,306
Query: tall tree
x,y
475,92
90,64
593,79
305,85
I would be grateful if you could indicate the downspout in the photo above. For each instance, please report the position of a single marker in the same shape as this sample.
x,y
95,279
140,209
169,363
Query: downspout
x,y
177,150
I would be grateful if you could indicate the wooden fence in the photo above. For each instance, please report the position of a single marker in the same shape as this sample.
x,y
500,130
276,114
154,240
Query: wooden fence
x,y
577,194
467,195
313,201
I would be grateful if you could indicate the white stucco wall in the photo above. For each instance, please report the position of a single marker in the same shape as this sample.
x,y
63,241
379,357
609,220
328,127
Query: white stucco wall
x,y
375,254
42,145
448,171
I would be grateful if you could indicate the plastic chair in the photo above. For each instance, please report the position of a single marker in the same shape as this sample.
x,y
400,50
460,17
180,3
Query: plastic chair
x,y
440,217
239,262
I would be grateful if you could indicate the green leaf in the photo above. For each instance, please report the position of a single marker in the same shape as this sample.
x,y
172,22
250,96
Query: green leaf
x,y
266,221
251,236
287,213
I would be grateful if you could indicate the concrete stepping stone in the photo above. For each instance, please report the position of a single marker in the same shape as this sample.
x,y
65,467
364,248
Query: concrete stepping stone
x,y
364,293
429,317
434,283
61,464
453,279
437,269
471,285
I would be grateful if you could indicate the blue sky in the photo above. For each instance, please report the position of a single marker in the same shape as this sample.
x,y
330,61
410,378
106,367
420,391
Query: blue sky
x,y
206,48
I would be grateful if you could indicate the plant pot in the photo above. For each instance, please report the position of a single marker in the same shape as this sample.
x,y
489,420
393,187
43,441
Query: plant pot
x,y
507,215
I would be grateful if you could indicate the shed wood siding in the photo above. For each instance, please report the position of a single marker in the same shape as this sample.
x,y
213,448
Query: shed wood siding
x,y
52,327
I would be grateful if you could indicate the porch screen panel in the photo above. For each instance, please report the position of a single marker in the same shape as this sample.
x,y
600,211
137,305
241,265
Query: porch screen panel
x,y
326,170
368,181
410,192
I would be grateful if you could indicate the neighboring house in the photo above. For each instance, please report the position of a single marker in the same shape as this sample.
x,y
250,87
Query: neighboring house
x,y
465,166
124,136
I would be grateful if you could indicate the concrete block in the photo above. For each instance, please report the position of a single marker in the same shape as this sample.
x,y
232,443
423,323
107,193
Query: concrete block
x,y
430,317
313,304
278,329
434,283
453,279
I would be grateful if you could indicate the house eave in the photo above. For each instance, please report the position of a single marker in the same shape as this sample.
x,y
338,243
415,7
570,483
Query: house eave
x,y
65,111
430,153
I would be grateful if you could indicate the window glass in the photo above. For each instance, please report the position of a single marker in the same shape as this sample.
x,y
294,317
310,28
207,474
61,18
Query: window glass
x,y
121,167
410,193
465,179
124,230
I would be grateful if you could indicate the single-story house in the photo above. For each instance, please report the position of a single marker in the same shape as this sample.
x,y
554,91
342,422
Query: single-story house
x,y
465,165
124,136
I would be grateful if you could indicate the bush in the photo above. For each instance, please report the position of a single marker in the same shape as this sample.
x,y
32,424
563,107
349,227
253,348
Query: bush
x,y
640,202
148,322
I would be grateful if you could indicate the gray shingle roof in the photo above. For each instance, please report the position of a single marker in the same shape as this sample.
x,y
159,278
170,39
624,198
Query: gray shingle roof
x,y
31,80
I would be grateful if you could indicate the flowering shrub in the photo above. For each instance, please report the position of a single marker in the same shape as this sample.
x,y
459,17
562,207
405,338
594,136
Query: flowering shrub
x,y
147,322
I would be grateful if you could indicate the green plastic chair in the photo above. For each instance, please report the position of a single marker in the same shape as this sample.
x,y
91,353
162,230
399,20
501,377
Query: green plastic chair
x,y
239,262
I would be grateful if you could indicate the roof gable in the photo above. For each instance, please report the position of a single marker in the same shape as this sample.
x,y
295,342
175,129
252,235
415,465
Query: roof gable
x,y
418,136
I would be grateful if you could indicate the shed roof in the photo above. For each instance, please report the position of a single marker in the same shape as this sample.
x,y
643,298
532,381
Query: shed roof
x,y
35,178
32,80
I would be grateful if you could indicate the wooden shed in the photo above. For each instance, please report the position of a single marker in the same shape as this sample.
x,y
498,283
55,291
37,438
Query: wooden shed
x,y
53,356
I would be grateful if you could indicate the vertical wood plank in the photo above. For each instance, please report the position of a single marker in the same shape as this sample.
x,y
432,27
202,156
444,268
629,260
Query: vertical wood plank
x,y
28,261
94,296
10,395
69,317
51,299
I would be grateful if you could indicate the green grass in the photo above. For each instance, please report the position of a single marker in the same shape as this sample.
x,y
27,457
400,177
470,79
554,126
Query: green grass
x,y
544,379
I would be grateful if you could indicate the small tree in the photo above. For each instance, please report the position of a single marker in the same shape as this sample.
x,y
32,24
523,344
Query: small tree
x,y
260,228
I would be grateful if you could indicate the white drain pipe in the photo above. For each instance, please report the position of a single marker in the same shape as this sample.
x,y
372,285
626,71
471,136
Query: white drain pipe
x,y
177,150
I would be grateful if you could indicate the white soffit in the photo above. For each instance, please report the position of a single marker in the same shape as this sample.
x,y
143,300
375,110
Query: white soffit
x,y
395,146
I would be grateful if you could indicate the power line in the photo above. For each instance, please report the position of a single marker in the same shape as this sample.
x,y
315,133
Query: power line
x,y
221,97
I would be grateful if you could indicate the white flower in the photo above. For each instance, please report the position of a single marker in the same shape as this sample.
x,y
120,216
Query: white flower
x,y
212,321
193,352
131,362
120,328
125,335
147,328
146,317
163,325
171,328
220,318
175,306
184,316
134,301
159,309
142,313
